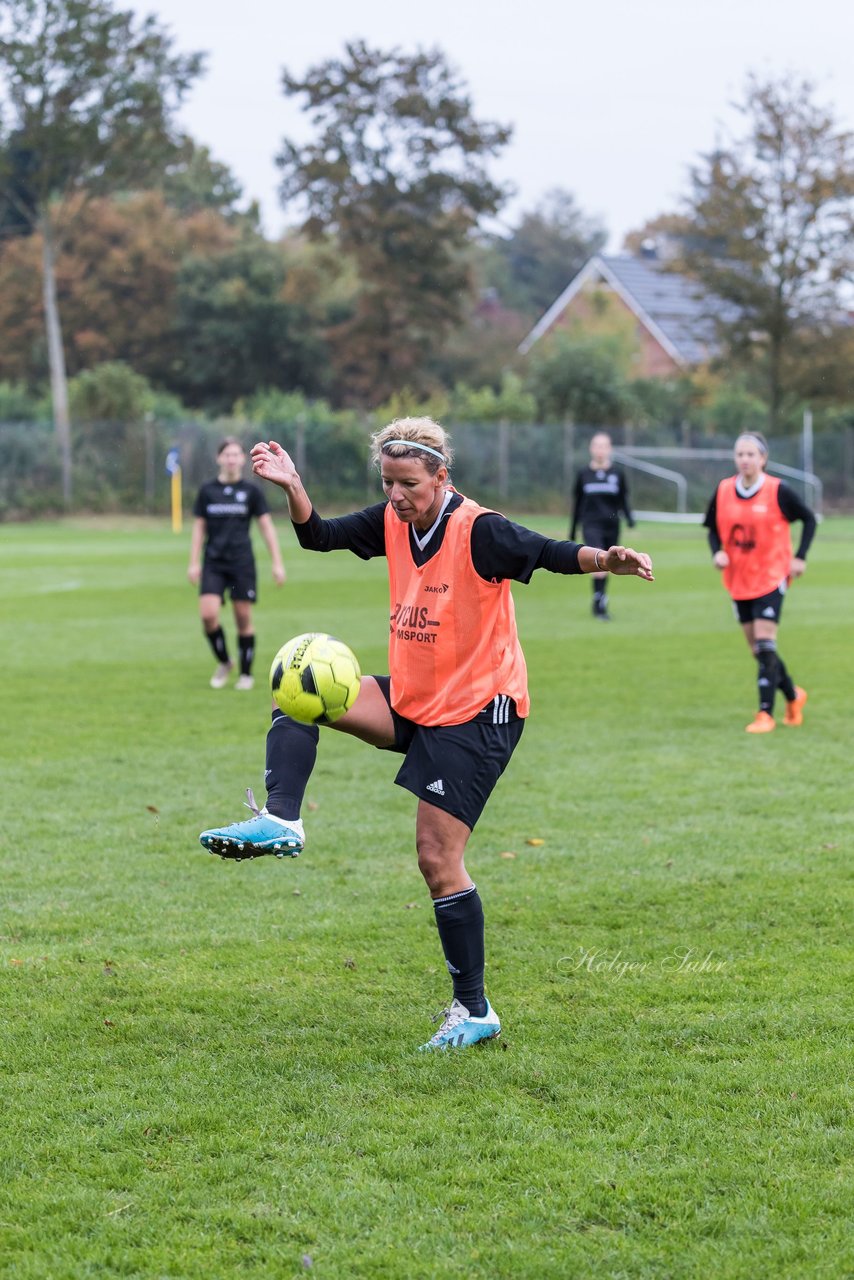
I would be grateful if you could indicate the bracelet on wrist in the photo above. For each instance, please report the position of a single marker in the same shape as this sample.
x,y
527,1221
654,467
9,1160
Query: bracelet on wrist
x,y
602,568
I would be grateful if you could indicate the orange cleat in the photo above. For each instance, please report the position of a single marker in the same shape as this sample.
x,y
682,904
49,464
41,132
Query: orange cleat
x,y
762,724
795,708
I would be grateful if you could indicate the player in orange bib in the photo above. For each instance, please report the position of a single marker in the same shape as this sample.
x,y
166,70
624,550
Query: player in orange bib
x,y
456,700
748,522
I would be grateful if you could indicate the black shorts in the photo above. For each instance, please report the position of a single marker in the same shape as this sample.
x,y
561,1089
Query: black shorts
x,y
455,767
239,578
769,607
604,534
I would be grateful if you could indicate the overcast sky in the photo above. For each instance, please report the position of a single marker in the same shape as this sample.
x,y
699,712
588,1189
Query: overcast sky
x,y
609,99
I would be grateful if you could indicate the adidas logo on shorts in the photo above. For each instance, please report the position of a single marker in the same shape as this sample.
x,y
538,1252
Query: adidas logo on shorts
x,y
436,787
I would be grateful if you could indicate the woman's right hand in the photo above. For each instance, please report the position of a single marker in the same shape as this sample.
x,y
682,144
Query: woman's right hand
x,y
272,463
194,573
720,559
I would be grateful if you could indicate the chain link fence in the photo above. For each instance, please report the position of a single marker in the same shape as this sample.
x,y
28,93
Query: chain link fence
x,y
120,466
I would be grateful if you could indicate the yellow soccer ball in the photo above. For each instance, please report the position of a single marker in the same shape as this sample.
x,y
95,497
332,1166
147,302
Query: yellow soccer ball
x,y
315,678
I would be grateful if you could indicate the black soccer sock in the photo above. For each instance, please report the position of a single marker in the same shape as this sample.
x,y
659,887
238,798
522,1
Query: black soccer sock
x,y
784,681
459,919
246,644
766,657
291,753
216,640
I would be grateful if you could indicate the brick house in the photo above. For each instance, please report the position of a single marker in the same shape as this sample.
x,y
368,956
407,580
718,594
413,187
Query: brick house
x,y
672,319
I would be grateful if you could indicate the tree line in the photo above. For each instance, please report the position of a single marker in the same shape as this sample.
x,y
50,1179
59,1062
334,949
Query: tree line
x,y
157,283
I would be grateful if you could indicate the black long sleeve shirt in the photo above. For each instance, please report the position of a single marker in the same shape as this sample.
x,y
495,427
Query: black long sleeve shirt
x,y
500,548
600,495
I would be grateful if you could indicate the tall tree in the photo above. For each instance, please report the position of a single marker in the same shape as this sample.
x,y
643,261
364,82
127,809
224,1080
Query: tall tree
x,y
194,181
238,327
774,213
202,305
88,100
117,270
397,170
545,249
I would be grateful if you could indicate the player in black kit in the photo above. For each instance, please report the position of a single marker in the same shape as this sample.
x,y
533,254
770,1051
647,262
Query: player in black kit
x,y
601,494
223,511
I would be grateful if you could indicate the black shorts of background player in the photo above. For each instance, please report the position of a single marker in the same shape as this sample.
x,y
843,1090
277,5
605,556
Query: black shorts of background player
x,y
601,494
223,511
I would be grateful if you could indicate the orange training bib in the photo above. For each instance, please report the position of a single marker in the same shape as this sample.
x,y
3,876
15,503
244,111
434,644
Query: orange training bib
x,y
755,535
453,643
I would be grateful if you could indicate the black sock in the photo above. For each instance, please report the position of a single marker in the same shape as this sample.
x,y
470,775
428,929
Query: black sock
x,y
291,753
459,919
766,656
246,644
784,680
216,640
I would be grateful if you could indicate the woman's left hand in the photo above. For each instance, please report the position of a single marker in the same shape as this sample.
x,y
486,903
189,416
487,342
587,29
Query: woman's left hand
x,y
625,561
796,568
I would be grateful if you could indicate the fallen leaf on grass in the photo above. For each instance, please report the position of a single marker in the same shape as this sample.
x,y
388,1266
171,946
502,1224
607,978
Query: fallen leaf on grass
x,y
410,906
535,840
108,1022
16,962
297,893
349,963
508,853
152,808
312,806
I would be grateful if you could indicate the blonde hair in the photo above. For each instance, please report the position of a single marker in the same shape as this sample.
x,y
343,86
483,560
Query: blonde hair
x,y
411,438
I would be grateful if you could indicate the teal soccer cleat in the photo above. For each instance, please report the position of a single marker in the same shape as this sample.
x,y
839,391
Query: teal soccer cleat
x,y
460,1029
259,835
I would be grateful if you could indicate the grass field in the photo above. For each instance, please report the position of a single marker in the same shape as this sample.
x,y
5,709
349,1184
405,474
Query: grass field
x,y
208,1069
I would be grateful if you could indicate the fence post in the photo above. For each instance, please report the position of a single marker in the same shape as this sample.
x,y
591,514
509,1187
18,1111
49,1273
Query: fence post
x,y
807,459
149,462
503,458
568,458
847,462
299,447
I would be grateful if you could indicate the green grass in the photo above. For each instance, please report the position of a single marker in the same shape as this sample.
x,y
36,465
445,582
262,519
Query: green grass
x,y
208,1069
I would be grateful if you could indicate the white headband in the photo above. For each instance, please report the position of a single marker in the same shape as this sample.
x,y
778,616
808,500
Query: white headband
x,y
413,444
748,435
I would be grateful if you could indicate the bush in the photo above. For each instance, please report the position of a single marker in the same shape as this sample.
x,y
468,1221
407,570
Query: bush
x,y
18,404
110,392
